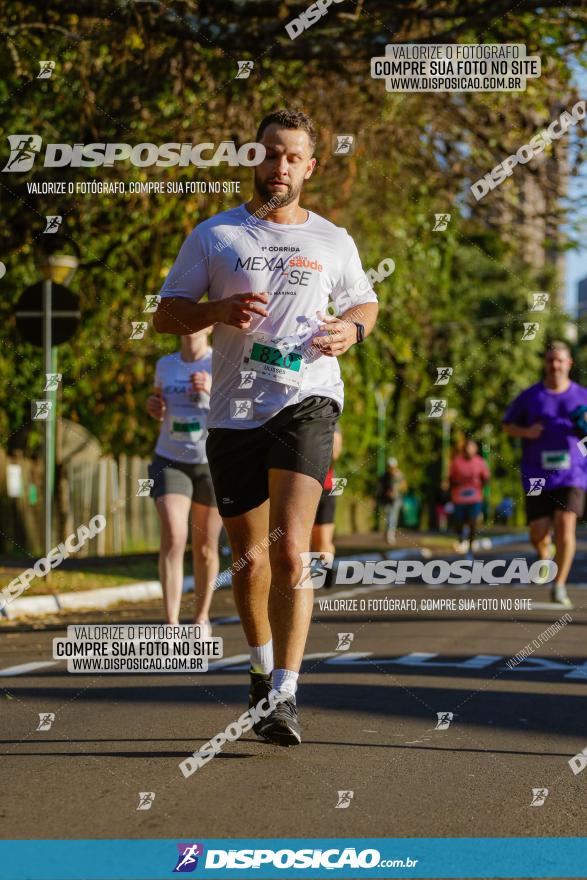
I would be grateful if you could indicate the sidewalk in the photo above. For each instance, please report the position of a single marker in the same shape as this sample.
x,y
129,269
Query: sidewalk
x,y
415,545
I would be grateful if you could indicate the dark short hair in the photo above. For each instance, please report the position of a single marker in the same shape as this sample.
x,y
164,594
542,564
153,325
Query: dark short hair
x,y
558,345
289,119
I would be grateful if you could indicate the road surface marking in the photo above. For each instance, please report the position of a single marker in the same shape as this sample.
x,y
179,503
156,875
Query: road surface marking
x,y
27,667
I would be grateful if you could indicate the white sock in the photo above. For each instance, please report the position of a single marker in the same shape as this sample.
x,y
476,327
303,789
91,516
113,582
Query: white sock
x,y
262,658
285,680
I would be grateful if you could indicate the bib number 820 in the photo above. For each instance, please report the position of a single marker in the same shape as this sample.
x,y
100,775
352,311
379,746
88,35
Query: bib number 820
x,y
269,355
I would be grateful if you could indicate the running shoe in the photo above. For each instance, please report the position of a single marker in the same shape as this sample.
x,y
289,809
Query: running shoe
x,y
544,573
558,594
461,546
282,726
258,690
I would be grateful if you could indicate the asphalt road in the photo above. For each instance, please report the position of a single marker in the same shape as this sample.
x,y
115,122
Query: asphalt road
x,y
369,718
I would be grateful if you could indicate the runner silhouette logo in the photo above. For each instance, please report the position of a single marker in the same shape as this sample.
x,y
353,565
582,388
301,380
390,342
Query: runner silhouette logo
x,y
315,566
187,859
23,151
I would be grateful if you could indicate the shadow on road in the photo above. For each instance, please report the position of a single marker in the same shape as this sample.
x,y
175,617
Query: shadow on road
x,y
392,701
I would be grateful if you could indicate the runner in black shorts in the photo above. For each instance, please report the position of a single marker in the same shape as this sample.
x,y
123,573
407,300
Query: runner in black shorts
x,y
549,417
299,438
272,270
322,540
182,486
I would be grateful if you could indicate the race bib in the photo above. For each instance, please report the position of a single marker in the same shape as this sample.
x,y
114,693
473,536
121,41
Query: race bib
x,y
555,460
273,358
187,428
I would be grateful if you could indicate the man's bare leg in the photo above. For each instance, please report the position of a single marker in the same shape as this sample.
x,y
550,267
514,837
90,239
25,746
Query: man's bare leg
x,y
293,502
540,530
565,528
273,576
251,583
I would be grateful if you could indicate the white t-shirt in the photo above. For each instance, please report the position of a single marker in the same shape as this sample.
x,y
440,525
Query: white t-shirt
x,y
184,429
302,266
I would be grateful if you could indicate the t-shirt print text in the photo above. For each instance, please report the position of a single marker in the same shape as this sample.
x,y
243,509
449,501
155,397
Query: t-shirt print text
x,y
298,270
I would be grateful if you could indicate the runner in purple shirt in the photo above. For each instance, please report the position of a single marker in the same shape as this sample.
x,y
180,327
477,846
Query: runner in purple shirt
x,y
549,419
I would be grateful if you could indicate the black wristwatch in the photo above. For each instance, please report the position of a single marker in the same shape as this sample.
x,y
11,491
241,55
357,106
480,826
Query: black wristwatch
x,y
360,331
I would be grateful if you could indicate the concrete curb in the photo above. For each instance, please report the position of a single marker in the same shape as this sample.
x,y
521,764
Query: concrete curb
x,y
87,600
105,597
498,540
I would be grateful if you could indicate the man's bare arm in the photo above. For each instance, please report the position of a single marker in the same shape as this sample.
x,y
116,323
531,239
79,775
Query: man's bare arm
x,y
341,331
181,316
365,314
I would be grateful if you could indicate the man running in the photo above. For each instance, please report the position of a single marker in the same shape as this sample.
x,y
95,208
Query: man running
x,y
183,487
554,471
276,388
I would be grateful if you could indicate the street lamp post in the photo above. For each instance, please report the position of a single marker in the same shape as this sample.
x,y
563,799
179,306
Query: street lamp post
x,y
382,395
58,269
487,435
447,420
381,398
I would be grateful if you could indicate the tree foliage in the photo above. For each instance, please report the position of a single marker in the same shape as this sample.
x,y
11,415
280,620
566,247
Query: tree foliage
x,y
161,72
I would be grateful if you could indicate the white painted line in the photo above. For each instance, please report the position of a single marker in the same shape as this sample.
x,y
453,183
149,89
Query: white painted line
x,y
242,661
27,667
375,556
343,659
355,591
236,660
406,553
549,606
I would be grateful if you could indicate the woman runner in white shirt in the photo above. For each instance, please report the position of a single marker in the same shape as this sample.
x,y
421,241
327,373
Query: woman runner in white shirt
x,y
183,489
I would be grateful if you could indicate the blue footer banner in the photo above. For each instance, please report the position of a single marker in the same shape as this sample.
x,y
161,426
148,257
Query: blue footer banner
x,y
290,857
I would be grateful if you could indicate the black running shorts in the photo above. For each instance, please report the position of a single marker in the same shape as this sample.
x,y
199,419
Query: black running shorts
x,y
298,438
548,502
326,509
178,478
